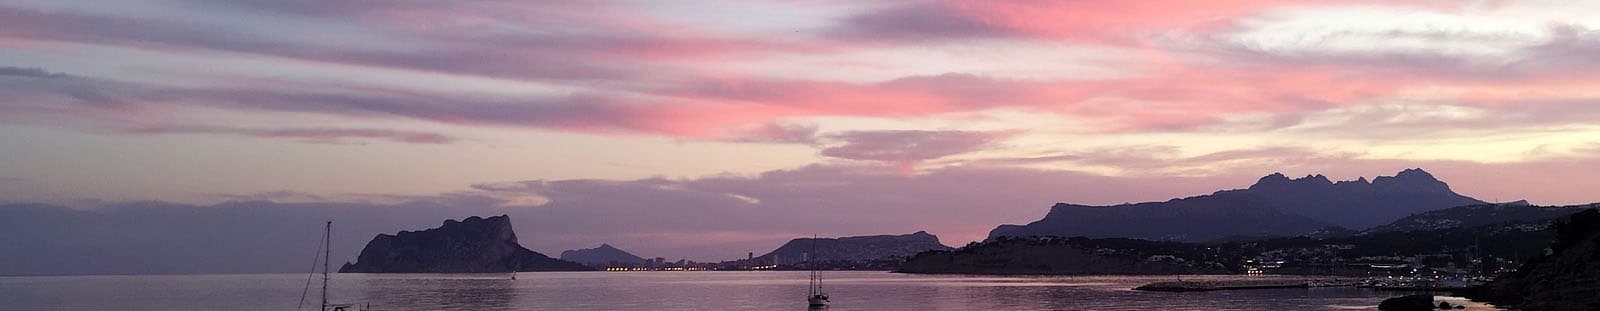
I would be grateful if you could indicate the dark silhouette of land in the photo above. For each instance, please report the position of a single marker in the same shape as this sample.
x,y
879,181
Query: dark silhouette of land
x,y
472,245
1568,278
1466,239
853,249
602,256
1274,206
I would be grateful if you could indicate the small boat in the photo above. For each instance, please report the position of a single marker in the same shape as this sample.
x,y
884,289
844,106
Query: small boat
x,y
816,298
327,255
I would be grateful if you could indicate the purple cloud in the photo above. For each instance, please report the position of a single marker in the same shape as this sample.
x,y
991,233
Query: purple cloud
x,y
916,21
909,146
109,103
29,72
313,135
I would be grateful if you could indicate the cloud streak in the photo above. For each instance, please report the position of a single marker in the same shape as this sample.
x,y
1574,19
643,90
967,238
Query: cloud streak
x,y
314,135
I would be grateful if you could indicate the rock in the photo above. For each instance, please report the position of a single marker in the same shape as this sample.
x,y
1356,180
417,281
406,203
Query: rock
x,y
472,245
1445,305
1407,303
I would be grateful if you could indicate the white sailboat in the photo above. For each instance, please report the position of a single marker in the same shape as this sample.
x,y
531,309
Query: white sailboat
x,y
327,254
816,298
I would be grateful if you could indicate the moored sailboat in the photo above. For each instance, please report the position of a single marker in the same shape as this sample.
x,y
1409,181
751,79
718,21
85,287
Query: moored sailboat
x,y
326,257
816,298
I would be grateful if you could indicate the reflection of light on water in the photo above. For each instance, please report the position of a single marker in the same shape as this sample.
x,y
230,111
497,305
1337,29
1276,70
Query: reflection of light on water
x,y
653,291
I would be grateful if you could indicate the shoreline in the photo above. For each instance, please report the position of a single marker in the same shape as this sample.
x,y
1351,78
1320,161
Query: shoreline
x,y
1221,285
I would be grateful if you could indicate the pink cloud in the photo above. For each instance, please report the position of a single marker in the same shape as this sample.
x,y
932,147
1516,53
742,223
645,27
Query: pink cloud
x,y
1111,22
619,54
905,149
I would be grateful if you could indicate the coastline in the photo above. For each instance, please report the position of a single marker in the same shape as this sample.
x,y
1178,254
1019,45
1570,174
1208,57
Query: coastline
x,y
1219,285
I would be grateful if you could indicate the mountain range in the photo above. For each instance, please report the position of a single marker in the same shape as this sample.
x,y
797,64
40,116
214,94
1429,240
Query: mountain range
x,y
1494,234
1275,205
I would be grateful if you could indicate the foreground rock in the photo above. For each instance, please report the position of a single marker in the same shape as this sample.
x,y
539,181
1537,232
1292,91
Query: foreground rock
x,y
1408,303
1568,278
472,245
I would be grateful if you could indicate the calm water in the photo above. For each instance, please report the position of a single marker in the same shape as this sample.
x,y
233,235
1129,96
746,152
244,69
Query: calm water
x,y
854,290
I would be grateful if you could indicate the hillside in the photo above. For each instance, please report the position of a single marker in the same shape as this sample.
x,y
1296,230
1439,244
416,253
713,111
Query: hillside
x,y
856,248
1567,278
601,256
1481,215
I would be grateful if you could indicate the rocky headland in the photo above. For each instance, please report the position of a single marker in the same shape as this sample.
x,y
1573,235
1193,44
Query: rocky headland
x,y
472,245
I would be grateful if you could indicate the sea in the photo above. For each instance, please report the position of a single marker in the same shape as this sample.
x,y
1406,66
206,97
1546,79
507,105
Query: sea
x,y
676,290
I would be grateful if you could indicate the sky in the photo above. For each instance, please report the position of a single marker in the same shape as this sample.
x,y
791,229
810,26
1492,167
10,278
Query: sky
x,y
855,117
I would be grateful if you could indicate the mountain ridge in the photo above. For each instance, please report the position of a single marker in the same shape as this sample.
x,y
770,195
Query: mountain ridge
x,y
1275,205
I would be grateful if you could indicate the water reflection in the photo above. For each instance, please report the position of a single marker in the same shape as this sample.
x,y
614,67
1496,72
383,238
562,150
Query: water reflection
x,y
653,291
457,292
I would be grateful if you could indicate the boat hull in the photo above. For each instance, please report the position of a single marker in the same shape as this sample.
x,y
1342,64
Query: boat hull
x,y
817,301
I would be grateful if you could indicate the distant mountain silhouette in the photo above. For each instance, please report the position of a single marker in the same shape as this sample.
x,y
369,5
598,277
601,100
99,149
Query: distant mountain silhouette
x,y
472,245
1274,206
1359,204
601,256
857,248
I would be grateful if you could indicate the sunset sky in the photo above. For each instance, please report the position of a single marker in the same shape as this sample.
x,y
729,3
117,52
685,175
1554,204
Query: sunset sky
x,y
983,111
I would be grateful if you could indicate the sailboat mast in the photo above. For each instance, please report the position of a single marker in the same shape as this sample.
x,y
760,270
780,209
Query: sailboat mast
x,y
327,255
812,264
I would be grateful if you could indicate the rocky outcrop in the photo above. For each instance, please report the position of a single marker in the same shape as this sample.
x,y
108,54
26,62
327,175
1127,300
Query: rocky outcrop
x,y
1566,278
856,248
1274,206
1407,303
604,255
472,245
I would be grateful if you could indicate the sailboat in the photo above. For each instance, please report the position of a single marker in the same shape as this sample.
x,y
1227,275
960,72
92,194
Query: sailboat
x,y
816,298
327,255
